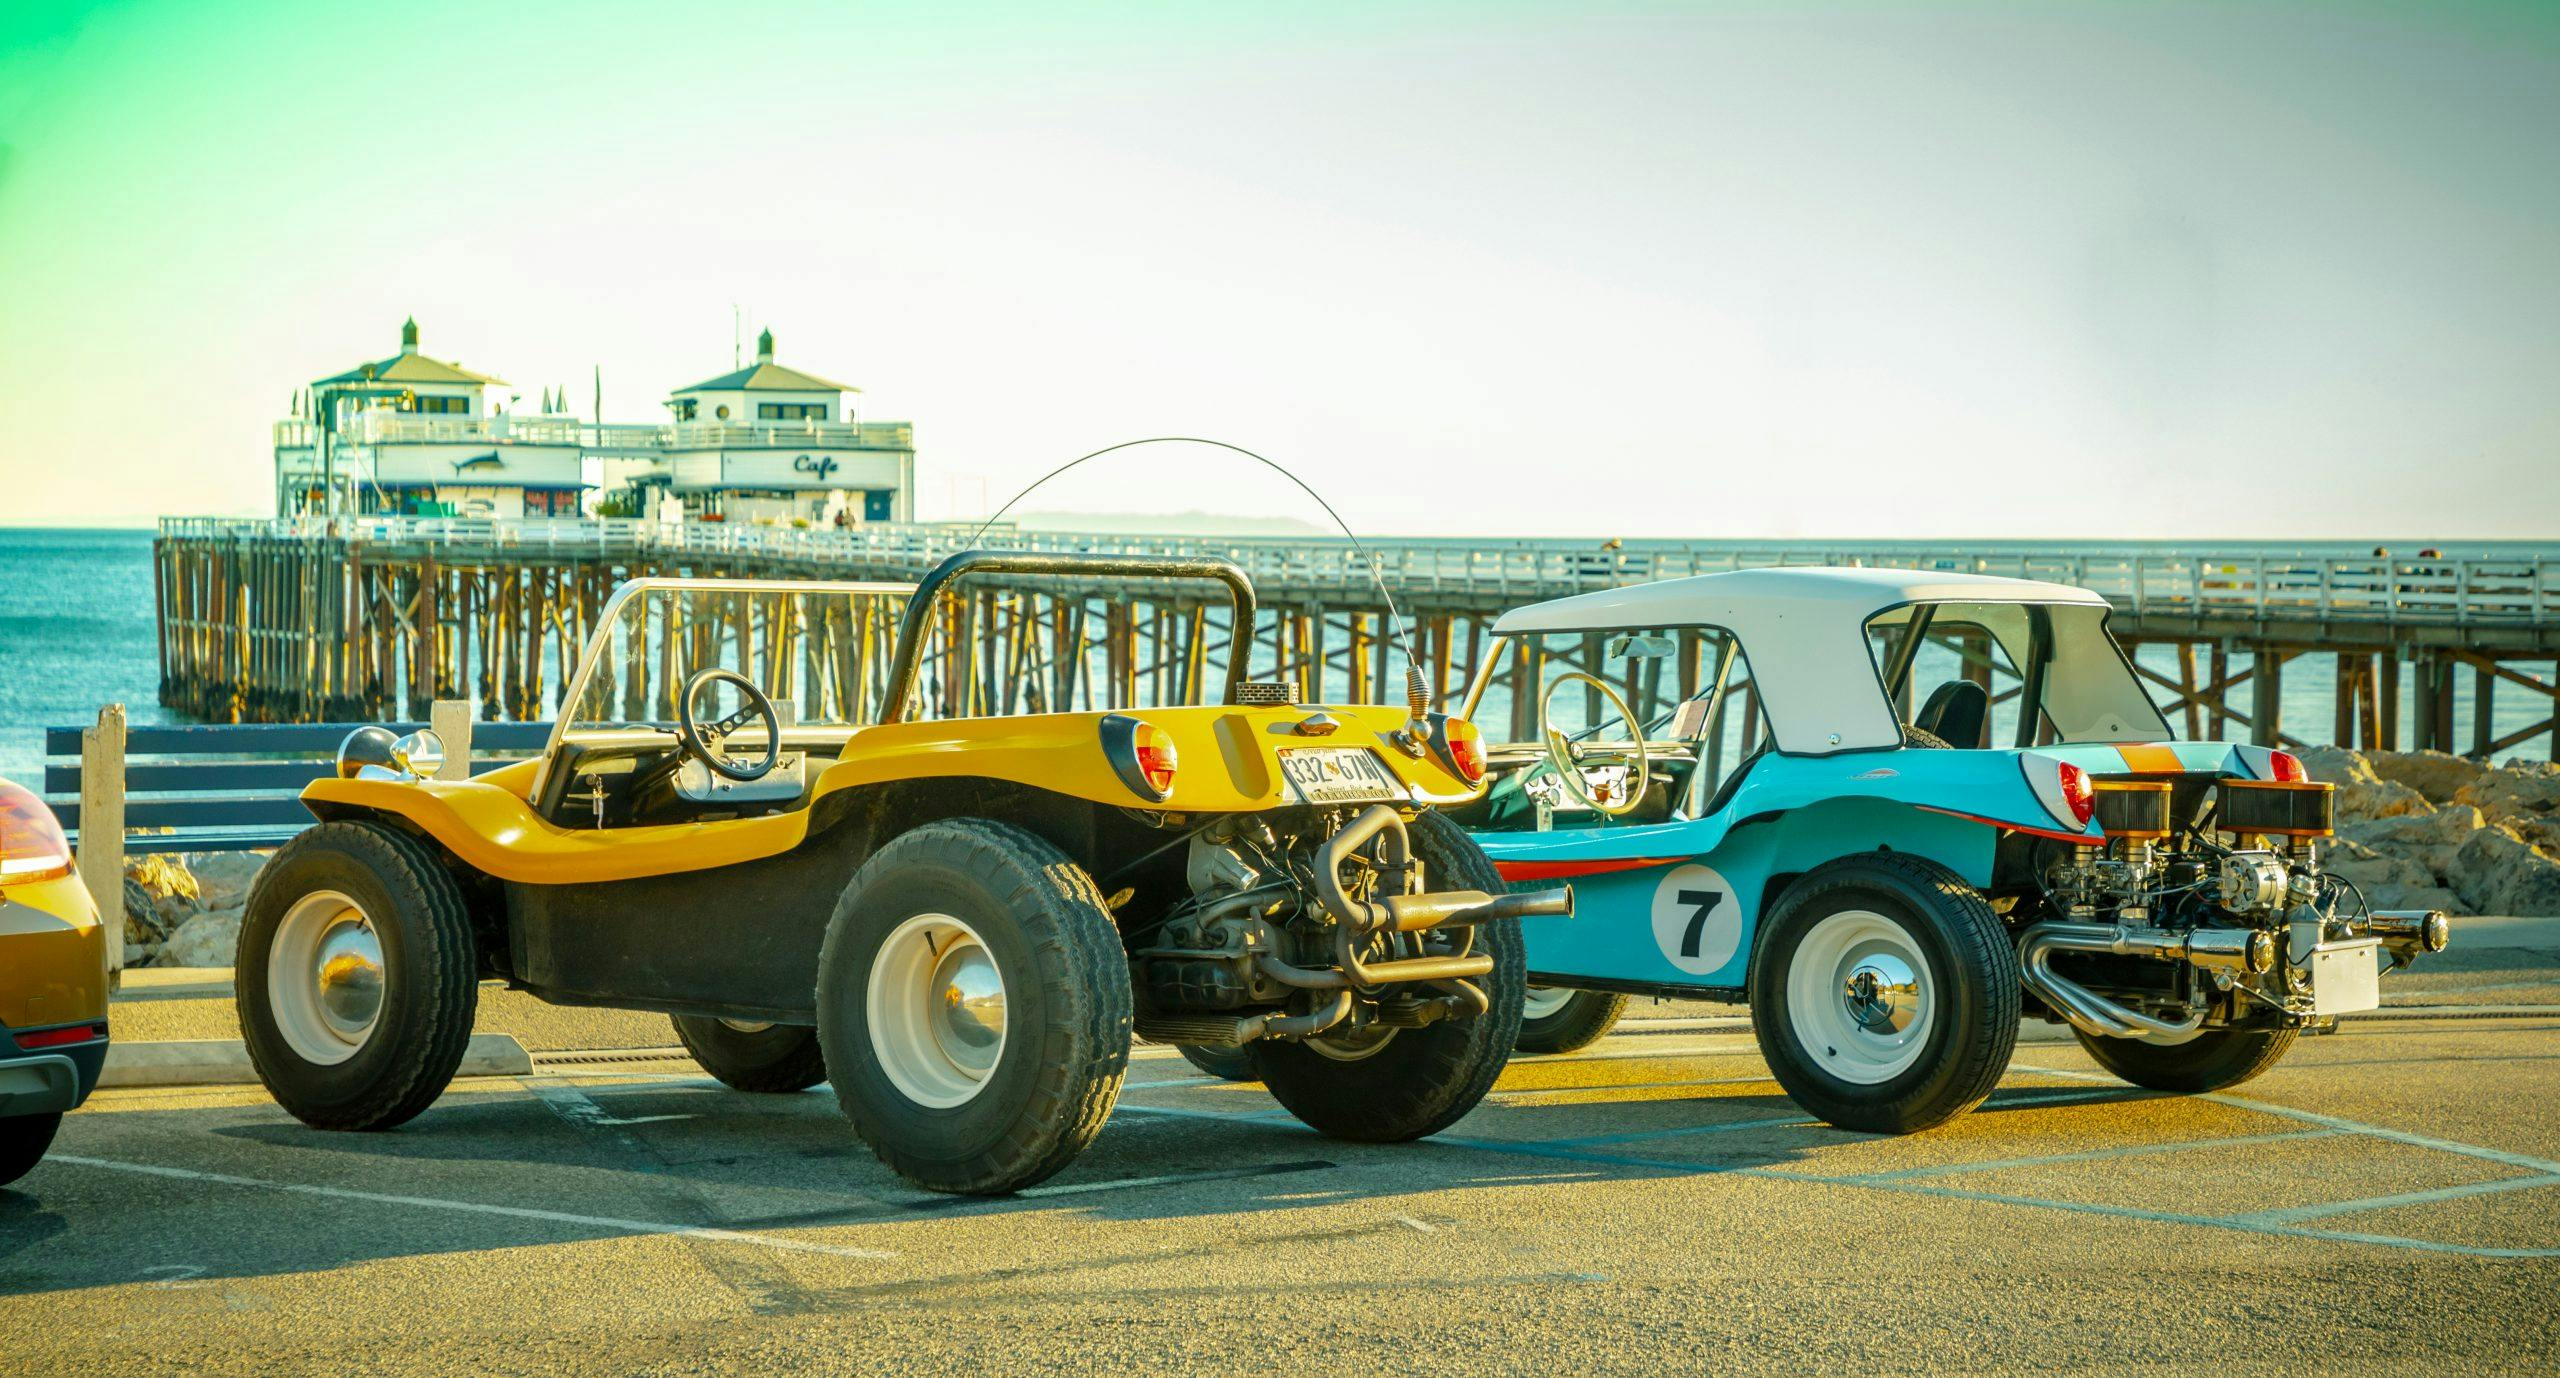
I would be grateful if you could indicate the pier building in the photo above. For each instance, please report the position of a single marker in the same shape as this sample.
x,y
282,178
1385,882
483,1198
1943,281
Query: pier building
x,y
417,436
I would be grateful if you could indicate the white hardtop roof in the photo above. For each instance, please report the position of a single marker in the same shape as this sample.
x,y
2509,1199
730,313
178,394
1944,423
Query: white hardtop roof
x,y
1755,596
1803,631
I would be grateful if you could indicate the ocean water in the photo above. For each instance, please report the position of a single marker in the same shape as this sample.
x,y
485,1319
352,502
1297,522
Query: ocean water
x,y
77,631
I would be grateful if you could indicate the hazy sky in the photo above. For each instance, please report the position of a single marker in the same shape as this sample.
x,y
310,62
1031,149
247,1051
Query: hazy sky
x,y
1670,270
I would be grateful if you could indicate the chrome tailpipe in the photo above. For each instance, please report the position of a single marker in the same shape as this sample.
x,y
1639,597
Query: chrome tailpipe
x,y
2409,933
2229,951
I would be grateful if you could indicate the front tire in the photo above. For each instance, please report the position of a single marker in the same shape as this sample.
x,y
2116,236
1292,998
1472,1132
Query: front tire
x,y
973,1006
774,1058
1411,1082
1555,1019
23,1140
1885,994
2210,1061
357,976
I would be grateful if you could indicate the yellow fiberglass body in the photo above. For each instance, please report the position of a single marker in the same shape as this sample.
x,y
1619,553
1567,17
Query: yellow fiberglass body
x,y
53,954
1230,762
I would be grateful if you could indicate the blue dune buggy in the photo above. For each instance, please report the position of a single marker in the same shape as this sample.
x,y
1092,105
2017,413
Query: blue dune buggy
x,y
1732,772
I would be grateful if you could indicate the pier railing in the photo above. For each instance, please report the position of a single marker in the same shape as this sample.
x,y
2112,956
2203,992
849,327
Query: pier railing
x,y
2513,589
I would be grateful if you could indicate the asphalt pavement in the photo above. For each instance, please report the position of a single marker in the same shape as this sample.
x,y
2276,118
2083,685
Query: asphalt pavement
x,y
2386,1198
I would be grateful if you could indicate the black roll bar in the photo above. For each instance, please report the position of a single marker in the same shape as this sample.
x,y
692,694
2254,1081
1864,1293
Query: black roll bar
x,y
912,626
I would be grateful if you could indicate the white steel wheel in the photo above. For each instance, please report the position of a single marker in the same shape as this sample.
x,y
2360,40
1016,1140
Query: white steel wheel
x,y
1541,1002
1859,997
935,1007
325,978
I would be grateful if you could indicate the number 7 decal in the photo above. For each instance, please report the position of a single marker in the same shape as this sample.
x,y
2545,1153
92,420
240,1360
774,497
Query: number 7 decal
x,y
1705,902
1697,923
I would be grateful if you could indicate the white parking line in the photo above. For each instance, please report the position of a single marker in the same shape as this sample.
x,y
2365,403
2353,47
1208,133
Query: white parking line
x,y
594,1222
2291,1214
2094,1155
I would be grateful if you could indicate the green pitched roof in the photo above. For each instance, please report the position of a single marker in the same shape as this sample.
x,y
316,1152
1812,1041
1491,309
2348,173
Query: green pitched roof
x,y
410,368
767,376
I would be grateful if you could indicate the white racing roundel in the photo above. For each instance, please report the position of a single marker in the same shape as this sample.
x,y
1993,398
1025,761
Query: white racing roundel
x,y
1697,922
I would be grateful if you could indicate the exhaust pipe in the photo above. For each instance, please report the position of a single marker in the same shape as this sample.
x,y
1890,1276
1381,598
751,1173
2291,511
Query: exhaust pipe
x,y
2233,951
1355,920
2410,933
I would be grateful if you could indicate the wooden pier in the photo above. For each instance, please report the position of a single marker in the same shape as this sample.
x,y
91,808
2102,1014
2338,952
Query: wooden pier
x,y
356,618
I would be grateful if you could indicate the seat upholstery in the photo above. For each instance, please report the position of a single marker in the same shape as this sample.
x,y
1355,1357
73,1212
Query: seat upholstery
x,y
1958,713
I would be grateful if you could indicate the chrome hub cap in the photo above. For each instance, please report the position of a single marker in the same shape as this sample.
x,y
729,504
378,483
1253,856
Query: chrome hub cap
x,y
325,977
1883,994
936,1007
1860,998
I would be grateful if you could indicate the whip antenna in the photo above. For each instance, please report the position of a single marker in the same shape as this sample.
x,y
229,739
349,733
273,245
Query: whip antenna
x,y
1417,689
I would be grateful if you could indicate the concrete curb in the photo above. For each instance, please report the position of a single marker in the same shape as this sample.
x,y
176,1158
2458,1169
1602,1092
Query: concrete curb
x,y
225,1061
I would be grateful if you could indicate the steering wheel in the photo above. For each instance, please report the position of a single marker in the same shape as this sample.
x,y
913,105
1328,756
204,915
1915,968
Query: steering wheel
x,y
1567,758
691,733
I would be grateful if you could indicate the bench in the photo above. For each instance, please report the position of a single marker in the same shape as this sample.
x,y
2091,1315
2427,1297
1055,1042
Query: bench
x,y
219,787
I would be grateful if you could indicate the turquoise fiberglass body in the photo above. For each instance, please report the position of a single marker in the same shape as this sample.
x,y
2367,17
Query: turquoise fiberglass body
x,y
1679,904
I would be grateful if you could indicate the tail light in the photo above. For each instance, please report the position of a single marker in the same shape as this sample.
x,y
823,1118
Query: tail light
x,y
62,1038
2077,793
31,842
2062,788
1157,759
1142,754
1461,747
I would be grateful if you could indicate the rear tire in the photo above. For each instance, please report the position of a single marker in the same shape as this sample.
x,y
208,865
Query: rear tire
x,y
2210,1061
1228,1064
1885,994
1414,1081
956,1091
1580,1019
775,1058
357,976
23,1140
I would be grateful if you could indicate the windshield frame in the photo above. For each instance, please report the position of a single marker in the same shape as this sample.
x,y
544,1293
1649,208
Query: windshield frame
x,y
593,652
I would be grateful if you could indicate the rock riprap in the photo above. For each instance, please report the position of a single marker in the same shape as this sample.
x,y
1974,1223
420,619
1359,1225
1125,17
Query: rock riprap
x,y
2430,830
183,909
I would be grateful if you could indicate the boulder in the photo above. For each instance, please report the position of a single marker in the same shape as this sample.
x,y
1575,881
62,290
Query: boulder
x,y
2497,872
223,878
142,921
2438,775
207,940
2518,790
2370,867
2431,839
2361,793
2541,832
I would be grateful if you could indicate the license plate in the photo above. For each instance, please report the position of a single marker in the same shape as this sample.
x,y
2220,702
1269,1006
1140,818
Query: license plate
x,y
1338,775
2346,977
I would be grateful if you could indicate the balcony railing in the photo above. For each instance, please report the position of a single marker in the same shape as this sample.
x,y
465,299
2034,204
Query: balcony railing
x,y
392,428
776,435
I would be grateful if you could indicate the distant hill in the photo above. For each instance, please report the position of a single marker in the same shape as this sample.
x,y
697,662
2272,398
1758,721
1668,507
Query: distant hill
x,y
1167,524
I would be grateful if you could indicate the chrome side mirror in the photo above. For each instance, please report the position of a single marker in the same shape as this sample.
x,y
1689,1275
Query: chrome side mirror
x,y
373,753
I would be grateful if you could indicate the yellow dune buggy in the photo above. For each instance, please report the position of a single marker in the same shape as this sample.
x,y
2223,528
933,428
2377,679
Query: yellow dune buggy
x,y
960,922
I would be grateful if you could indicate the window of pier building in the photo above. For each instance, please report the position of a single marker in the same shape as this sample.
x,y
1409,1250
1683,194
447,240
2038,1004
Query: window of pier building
x,y
791,411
